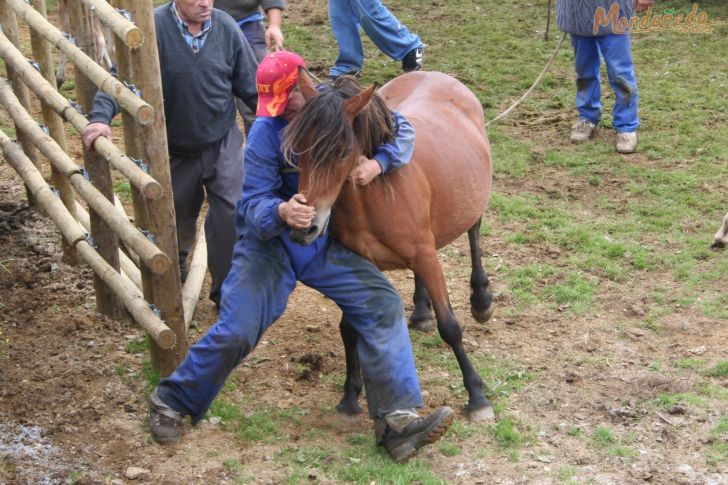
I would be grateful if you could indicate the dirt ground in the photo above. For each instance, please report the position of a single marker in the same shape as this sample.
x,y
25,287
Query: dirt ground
x,y
72,411
72,402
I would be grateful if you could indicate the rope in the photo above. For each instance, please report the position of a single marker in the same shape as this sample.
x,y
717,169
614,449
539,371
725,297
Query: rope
x,y
533,86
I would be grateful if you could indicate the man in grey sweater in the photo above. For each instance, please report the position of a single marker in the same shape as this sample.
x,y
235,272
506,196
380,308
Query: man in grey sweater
x,y
593,40
205,63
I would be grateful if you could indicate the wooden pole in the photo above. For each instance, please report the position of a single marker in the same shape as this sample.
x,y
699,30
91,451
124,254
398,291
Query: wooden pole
x,y
103,146
125,30
167,287
128,267
10,27
128,101
42,54
97,167
195,277
73,232
132,137
149,254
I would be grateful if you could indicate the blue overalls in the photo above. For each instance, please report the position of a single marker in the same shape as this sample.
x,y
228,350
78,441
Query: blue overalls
x,y
266,266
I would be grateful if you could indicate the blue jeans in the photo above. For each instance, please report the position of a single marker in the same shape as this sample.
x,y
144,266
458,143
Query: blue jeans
x,y
254,296
383,28
615,49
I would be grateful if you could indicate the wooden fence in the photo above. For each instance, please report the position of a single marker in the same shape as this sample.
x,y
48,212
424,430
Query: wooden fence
x,y
135,264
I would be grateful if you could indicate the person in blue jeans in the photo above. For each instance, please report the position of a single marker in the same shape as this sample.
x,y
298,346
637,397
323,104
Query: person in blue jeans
x,y
593,40
266,267
388,34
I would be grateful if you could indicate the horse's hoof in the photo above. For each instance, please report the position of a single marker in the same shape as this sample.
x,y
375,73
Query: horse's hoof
x,y
481,414
424,325
348,409
482,316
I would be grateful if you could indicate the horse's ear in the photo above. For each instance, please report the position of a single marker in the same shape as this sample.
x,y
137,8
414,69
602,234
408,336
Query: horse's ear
x,y
353,105
305,84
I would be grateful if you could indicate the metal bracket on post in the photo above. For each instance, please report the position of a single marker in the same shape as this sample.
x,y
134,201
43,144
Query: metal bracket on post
x,y
76,106
90,240
126,14
55,190
154,308
140,163
85,174
148,234
35,64
132,87
70,38
44,128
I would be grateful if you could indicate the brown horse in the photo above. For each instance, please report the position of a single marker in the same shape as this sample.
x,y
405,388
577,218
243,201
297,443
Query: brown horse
x,y
400,220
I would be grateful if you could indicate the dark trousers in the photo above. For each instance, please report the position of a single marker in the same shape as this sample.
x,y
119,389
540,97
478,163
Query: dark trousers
x,y
254,33
217,172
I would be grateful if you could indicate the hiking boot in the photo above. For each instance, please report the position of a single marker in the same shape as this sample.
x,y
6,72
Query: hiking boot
x,y
164,422
334,77
413,60
626,142
417,433
583,130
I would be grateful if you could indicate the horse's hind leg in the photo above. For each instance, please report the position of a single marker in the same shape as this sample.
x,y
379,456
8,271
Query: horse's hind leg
x,y
352,386
479,408
421,318
481,300
721,237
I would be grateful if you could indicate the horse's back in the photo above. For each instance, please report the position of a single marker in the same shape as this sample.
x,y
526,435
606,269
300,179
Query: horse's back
x,y
452,153
425,93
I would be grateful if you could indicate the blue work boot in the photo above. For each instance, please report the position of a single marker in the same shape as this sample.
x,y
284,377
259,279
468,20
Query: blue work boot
x,y
418,432
164,422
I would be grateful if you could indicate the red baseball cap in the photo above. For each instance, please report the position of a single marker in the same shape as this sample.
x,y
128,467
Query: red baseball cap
x,y
276,77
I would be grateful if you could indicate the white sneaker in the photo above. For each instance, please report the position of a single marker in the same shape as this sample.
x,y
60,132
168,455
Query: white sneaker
x,y
583,130
627,142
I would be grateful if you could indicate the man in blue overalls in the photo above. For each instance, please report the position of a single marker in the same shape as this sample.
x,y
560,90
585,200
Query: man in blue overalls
x,y
266,267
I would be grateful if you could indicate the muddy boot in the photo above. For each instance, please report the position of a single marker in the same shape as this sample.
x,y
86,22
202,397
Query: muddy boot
x,y
582,131
405,443
164,422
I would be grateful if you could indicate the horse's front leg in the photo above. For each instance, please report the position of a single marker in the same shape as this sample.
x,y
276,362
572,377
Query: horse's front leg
x,y
481,300
421,318
479,408
352,386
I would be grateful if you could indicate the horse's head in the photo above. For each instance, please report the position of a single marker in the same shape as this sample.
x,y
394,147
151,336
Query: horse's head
x,y
324,138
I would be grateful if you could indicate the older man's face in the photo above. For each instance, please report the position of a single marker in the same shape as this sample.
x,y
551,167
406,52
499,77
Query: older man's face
x,y
194,11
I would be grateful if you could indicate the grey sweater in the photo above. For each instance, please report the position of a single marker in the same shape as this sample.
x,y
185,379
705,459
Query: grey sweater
x,y
198,89
577,16
239,9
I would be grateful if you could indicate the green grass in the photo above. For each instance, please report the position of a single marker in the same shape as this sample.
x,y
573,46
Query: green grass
x,y
605,441
137,346
718,370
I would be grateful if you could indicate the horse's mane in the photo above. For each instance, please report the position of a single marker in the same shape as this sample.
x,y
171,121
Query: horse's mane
x,y
321,131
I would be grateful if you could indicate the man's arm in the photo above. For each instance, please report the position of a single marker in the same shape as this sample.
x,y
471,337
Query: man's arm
x,y
273,33
261,183
103,110
389,156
